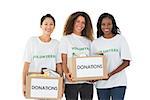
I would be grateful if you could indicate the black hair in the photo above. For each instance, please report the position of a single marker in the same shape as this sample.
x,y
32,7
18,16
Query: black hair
x,y
115,29
47,16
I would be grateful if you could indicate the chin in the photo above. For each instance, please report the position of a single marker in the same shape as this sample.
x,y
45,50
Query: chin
x,y
107,33
48,34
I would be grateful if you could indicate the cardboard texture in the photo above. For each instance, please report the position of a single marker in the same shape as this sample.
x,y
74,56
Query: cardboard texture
x,y
43,88
89,68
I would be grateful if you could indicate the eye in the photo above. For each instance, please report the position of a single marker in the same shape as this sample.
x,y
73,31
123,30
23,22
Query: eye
x,y
83,22
109,24
103,24
77,21
51,23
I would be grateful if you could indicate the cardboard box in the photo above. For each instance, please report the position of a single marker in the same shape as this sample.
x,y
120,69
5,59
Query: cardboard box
x,y
39,87
89,68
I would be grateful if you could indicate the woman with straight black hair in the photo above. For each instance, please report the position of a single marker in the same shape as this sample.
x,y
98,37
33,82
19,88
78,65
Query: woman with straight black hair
x,y
41,51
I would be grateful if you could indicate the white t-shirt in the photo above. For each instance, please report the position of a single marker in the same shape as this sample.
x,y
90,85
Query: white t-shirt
x,y
115,49
41,54
74,46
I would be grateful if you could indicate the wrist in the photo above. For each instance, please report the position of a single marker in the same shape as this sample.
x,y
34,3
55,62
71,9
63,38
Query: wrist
x,y
109,74
66,72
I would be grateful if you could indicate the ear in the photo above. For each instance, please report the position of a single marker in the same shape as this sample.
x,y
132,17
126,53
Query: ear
x,y
40,26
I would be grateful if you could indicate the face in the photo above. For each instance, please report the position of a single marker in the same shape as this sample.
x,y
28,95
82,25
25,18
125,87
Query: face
x,y
79,25
107,26
47,26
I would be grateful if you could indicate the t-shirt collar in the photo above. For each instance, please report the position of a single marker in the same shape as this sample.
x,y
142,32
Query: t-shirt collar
x,y
78,36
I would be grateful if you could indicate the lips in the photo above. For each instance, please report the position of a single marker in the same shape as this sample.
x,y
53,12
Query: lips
x,y
79,28
48,30
106,30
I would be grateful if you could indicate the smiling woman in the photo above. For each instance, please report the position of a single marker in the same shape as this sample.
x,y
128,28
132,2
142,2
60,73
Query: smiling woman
x,y
78,33
47,26
41,51
115,48
20,19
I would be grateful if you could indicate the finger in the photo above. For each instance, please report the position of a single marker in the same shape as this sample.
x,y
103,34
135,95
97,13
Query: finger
x,y
24,93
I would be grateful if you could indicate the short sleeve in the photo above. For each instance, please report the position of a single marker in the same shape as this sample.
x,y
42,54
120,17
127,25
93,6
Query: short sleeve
x,y
125,52
63,45
58,55
62,49
92,49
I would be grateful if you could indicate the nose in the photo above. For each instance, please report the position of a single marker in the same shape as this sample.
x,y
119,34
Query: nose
x,y
48,26
106,26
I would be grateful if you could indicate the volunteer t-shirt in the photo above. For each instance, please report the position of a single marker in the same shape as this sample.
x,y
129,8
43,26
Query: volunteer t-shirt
x,y
74,46
115,49
41,54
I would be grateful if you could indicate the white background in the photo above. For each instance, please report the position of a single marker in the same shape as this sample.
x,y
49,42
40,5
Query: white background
x,y
20,19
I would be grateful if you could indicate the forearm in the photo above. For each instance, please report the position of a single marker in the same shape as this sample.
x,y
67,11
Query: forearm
x,y
65,68
25,71
59,69
120,67
64,63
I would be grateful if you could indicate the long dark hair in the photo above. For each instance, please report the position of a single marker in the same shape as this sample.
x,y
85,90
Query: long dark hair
x,y
115,29
87,31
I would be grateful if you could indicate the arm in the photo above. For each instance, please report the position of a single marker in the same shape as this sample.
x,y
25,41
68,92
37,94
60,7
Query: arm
x,y
65,68
59,69
124,64
25,71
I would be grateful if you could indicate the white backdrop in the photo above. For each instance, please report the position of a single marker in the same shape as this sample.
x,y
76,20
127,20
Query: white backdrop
x,y
20,19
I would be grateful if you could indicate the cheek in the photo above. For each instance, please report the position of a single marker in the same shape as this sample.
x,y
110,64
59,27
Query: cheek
x,y
53,27
102,27
43,28
111,28
83,25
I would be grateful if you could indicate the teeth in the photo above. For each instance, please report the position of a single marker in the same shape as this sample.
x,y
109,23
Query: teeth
x,y
48,30
79,28
106,30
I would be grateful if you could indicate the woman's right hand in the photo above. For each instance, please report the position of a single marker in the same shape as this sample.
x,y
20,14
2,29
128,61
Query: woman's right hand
x,y
92,81
69,77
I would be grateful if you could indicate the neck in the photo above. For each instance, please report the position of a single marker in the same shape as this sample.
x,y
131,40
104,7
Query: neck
x,y
45,38
77,33
108,36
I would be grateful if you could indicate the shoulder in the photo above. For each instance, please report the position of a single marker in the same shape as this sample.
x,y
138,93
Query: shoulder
x,y
86,40
32,39
66,37
55,41
96,40
120,37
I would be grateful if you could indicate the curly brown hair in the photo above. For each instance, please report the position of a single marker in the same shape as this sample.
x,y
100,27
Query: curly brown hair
x,y
87,31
